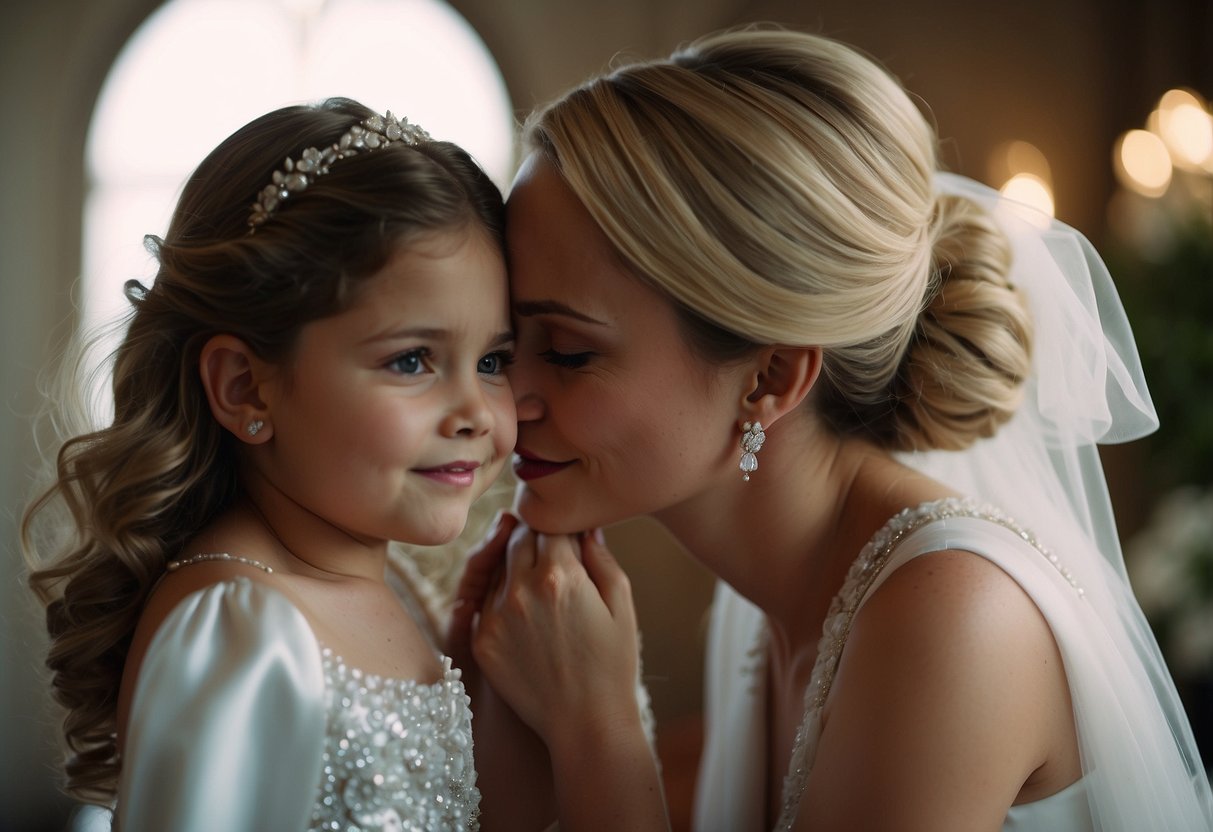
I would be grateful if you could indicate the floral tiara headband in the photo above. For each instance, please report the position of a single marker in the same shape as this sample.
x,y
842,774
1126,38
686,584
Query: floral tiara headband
x,y
374,132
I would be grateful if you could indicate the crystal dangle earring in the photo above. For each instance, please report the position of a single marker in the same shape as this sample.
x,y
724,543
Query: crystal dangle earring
x,y
752,438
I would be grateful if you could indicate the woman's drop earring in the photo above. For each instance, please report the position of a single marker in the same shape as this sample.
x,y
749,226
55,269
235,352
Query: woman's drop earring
x,y
752,438
254,426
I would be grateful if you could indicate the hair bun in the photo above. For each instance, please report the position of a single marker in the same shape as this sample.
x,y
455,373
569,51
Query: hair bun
x,y
963,374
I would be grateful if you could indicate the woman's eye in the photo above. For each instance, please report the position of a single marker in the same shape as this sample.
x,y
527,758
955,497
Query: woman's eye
x,y
568,360
495,362
409,363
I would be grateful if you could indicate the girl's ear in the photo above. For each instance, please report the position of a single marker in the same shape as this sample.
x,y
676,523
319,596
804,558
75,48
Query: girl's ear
x,y
781,379
232,376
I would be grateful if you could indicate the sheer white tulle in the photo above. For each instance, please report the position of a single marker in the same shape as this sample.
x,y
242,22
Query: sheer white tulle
x,y
1141,768
1087,387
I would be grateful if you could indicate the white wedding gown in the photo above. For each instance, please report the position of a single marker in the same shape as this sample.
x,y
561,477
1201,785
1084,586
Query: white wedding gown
x,y
731,792
242,721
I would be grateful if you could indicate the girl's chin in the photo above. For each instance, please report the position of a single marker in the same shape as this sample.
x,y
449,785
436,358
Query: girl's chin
x,y
435,533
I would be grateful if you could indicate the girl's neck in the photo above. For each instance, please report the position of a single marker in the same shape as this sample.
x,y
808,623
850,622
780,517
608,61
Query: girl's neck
x,y
305,543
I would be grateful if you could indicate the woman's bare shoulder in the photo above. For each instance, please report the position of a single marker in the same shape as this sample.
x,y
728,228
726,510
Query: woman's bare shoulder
x,y
946,697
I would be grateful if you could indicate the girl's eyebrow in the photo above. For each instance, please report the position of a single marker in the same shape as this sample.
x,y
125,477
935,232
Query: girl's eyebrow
x,y
431,334
528,308
425,333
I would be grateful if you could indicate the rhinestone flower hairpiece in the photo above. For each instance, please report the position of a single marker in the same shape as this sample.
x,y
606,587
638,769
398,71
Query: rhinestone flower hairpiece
x,y
374,132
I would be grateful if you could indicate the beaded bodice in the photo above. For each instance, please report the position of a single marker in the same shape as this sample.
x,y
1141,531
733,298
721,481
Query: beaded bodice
x,y
862,574
398,754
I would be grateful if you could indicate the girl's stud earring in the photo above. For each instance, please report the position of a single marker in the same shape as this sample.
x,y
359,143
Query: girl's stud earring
x,y
752,438
254,426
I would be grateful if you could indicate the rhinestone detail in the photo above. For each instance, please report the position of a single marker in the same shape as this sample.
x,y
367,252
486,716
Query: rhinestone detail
x,y
841,615
398,753
752,437
296,175
174,565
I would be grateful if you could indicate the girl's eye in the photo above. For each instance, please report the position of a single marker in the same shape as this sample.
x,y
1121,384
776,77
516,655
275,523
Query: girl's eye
x,y
495,363
409,363
568,360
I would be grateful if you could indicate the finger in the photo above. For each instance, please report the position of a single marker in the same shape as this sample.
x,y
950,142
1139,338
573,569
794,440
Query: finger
x,y
496,582
485,559
481,568
519,556
606,573
558,551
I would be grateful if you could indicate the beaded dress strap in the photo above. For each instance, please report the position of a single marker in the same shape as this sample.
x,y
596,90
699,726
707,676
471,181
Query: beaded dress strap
x,y
840,618
174,565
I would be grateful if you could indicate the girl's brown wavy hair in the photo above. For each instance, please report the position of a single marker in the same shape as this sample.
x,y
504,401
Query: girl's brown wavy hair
x,y
124,498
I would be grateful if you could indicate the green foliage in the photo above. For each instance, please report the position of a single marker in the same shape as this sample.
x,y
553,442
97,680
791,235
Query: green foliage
x,y
1169,301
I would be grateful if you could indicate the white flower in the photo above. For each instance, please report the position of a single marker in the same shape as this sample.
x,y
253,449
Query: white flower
x,y
1170,563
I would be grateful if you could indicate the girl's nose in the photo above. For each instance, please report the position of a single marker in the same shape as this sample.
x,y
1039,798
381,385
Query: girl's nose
x,y
470,414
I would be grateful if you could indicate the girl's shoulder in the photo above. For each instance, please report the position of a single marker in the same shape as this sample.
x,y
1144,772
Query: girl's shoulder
x,y
222,573
227,687
209,596
189,574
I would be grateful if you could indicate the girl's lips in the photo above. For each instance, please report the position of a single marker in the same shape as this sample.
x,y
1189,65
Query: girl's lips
x,y
527,467
458,474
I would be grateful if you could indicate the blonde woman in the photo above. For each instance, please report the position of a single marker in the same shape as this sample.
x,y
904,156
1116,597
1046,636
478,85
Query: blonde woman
x,y
866,395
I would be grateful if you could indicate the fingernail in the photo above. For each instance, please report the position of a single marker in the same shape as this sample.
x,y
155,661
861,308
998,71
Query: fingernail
x,y
599,537
497,520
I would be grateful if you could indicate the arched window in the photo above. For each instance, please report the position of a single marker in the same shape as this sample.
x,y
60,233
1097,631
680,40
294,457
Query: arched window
x,y
197,70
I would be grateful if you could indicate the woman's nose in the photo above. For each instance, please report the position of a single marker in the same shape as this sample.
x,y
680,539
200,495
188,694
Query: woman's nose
x,y
527,400
529,407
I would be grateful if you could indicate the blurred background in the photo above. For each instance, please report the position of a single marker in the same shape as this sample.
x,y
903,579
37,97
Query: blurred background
x,y
1094,109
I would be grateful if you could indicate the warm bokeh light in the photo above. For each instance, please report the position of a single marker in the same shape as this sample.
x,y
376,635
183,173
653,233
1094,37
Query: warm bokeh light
x,y
1142,163
1026,176
1186,127
1015,157
1031,190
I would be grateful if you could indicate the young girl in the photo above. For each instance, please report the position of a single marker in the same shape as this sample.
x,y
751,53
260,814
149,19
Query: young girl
x,y
317,370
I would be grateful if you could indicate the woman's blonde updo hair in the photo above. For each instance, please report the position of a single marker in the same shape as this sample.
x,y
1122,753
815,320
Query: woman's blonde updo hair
x,y
778,187
134,491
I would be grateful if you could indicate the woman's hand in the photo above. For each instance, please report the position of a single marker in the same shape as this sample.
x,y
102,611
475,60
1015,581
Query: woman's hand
x,y
481,572
557,638
512,765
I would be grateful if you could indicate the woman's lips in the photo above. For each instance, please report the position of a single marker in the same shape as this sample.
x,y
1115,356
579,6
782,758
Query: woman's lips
x,y
459,474
528,467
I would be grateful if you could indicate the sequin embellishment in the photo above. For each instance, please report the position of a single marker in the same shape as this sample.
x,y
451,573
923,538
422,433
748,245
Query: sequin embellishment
x,y
398,754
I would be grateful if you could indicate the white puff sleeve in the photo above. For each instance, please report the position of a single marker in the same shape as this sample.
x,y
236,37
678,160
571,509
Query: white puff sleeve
x,y
228,719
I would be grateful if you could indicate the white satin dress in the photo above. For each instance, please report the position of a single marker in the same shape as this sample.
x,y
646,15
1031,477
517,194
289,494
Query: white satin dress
x,y
242,720
731,792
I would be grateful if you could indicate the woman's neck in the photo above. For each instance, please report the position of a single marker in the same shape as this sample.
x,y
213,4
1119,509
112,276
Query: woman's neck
x,y
785,539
